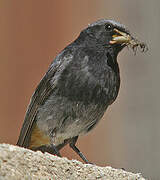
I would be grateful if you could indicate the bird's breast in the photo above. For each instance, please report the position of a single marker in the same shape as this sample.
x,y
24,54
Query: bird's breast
x,y
89,86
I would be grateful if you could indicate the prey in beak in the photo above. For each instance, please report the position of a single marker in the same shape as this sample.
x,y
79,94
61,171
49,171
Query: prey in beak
x,y
126,39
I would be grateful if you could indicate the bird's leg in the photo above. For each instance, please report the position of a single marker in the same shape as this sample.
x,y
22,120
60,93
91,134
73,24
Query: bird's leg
x,y
56,150
73,146
52,149
60,146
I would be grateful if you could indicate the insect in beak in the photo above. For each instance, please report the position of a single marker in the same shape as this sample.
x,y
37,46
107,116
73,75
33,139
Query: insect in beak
x,y
123,38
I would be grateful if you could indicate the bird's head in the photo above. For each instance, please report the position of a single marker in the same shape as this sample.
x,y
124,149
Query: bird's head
x,y
108,33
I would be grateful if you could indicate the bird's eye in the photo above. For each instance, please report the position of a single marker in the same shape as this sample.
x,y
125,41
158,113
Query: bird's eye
x,y
108,27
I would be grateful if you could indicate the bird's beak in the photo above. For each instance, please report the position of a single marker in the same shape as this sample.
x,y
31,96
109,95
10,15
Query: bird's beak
x,y
121,38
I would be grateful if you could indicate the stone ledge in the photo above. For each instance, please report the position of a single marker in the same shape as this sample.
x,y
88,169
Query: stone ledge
x,y
18,163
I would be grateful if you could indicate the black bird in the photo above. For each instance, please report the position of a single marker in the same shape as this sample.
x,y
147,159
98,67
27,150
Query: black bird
x,y
80,84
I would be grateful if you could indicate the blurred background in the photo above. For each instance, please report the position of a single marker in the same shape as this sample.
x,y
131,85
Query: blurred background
x,y
32,33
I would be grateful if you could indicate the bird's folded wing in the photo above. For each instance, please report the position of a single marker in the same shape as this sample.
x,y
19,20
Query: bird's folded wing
x,y
44,89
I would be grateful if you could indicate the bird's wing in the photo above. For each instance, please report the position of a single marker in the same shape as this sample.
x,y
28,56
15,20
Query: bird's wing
x,y
44,89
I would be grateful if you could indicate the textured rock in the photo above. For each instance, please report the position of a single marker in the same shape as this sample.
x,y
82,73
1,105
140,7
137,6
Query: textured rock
x,y
18,163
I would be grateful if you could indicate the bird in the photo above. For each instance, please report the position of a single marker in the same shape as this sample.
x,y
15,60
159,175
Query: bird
x,y
81,83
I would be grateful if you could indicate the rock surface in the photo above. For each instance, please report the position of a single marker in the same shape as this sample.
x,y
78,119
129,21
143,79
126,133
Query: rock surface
x,y
18,163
